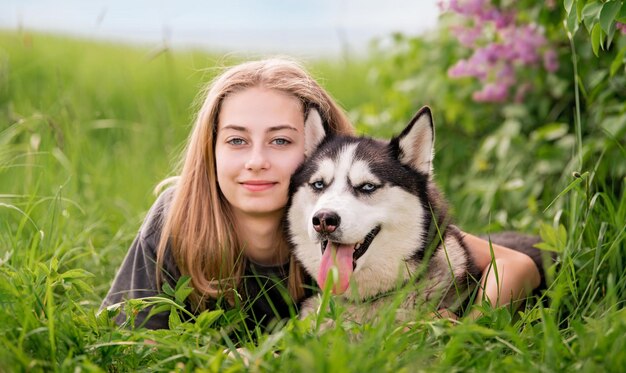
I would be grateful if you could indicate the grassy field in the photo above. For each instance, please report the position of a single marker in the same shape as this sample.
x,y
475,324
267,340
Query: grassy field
x,y
86,132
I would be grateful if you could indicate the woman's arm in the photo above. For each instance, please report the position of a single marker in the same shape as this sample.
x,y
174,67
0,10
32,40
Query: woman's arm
x,y
136,278
517,273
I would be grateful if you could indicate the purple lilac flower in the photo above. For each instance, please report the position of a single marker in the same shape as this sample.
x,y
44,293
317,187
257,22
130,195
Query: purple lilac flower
x,y
467,7
550,60
512,47
467,36
622,27
506,74
524,43
492,92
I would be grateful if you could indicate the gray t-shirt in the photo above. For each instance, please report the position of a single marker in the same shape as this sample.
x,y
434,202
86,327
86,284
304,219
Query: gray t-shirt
x,y
264,287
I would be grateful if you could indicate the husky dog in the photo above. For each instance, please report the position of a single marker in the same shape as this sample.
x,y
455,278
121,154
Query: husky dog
x,y
370,208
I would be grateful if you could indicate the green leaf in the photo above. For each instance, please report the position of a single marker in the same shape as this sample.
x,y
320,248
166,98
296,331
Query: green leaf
x,y
550,132
621,17
54,264
208,318
609,10
183,281
572,23
547,234
579,9
158,309
596,39
568,188
568,5
174,319
562,235
614,125
80,284
42,269
167,289
182,294
75,273
182,289
610,34
545,247
590,14
554,239
618,61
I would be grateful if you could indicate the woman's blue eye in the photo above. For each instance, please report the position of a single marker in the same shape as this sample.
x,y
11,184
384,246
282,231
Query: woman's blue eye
x,y
281,142
318,185
367,187
236,141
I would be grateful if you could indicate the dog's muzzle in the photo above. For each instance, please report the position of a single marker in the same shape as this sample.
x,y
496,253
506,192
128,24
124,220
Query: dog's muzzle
x,y
360,248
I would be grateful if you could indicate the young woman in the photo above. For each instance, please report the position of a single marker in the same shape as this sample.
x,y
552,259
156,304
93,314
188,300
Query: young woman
x,y
221,222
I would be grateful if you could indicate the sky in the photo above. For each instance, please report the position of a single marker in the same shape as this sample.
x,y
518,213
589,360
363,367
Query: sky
x,y
324,27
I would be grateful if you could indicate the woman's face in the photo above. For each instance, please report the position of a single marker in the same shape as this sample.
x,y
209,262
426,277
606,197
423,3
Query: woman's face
x,y
260,143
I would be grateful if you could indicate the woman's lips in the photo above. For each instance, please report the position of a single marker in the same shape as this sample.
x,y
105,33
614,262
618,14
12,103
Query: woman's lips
x,y
258,185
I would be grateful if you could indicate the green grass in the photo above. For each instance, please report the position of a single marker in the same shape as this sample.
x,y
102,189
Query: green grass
x,y
88,129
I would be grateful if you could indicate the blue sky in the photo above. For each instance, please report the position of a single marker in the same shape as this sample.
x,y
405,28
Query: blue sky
x,y
277,26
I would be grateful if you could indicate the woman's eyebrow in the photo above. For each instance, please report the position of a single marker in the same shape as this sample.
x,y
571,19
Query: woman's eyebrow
x,y
235,128
282,127
276,128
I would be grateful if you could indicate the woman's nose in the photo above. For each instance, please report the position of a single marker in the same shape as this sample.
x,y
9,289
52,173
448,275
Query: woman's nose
x,y
258,160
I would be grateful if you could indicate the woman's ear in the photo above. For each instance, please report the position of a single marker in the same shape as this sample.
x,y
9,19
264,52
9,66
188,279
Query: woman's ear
x,y
314,132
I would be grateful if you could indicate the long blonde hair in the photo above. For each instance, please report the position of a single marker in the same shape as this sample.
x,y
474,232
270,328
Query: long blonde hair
x,y
199,226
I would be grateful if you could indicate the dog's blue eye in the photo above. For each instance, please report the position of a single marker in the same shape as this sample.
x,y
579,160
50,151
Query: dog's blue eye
x,y
367,187
318,185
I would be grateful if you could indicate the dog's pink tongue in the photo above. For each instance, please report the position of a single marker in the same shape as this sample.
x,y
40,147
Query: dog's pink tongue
x,y
341,257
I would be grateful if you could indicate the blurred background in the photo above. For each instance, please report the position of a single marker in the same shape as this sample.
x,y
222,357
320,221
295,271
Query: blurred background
x,y
302,28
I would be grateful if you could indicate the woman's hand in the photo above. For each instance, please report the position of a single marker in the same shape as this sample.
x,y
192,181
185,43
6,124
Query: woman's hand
x,y
517,274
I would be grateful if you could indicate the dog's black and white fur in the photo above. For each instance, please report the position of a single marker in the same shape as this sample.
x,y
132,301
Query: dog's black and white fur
x,y
375,206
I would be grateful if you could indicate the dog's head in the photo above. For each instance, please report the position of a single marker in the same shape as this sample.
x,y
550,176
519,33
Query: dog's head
x,y
361,204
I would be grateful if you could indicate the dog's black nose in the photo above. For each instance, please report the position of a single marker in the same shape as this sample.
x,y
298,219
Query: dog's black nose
x,y
325,221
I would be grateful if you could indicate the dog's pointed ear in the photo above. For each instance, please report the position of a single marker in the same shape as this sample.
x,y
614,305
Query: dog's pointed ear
x,y
416,142
314,132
